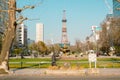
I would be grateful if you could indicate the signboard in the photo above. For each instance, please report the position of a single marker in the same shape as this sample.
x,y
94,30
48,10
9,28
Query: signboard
x,y
92,57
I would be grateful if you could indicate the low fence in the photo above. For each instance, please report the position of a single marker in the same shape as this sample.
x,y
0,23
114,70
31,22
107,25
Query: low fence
x,y
83,64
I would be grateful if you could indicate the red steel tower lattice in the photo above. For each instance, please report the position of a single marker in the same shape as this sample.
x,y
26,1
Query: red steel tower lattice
x,y
64,30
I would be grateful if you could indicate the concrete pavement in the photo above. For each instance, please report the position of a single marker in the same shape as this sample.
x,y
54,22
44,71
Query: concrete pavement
x,y
53,77
41,74
100,71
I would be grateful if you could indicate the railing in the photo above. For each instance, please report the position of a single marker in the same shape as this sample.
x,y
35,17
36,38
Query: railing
x,y
46,64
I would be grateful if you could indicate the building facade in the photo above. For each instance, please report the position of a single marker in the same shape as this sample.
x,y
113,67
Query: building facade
x,y
30,41
4,17
95,36
21,35
39,32
116,8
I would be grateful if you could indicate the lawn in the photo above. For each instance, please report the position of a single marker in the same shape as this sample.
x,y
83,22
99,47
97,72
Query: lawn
x,y
46,62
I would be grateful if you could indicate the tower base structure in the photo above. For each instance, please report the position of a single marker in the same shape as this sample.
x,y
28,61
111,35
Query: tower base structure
x,y
65,47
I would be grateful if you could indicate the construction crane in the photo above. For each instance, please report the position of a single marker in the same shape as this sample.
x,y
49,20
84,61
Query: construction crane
x,y
109,7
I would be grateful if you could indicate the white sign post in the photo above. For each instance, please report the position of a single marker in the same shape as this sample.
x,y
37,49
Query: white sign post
x,y
92,58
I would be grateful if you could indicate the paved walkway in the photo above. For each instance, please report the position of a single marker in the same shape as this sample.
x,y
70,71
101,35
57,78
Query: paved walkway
x,y
53,77
28,71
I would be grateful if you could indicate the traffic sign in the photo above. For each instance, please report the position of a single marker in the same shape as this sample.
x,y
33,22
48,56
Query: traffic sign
x,y
92,57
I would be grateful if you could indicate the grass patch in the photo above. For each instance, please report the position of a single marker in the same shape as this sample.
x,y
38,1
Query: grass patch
x,y
30,59
46,62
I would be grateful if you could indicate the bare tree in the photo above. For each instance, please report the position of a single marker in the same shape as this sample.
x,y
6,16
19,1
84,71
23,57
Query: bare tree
x,y
41,47
10,33
78,46
109,36
8,38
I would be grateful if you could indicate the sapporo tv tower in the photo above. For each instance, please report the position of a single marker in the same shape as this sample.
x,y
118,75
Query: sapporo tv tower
x,y
64,41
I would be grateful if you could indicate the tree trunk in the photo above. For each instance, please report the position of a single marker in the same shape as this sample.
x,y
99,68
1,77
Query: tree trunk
x,y
8,38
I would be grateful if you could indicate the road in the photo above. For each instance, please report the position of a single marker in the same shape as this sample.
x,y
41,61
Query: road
x,y
18,77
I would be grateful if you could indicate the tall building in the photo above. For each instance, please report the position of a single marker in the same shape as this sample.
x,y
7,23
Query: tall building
x,y
116,8
95,36
39,32
4,17
30,41
21,35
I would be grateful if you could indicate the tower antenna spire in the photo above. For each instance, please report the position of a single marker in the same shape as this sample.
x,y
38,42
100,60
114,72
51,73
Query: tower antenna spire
x,y
64,15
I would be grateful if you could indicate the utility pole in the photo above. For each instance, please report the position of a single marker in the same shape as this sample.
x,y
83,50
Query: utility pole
x,y
8,37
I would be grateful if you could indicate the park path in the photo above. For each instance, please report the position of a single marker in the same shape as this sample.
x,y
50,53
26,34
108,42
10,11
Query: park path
x,y
28,71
